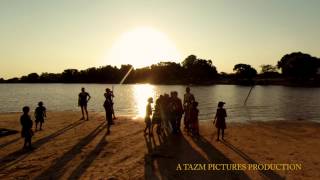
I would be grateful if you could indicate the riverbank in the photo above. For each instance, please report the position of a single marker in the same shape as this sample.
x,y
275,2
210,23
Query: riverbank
x,y
71,149
261,81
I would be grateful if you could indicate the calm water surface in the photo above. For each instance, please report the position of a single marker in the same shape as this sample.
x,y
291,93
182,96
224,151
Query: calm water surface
x,y
265,102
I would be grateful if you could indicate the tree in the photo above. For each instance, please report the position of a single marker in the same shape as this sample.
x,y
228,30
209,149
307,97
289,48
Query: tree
x,y
13,80
245,71
70,75
268,68
30,78
269,71
298,65
125,73
49,77
166,72
199,70
189,61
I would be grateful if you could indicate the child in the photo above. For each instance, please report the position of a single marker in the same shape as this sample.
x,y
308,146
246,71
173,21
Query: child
x,y
194,112
40,114
220,119
26,124
148,118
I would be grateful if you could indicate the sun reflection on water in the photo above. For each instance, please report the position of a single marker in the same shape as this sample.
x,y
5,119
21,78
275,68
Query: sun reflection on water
x,y
141,95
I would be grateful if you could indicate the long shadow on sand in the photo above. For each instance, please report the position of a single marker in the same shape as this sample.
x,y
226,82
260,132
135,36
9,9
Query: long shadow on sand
x,y
19,155
57,169
267,174
9,142
81,168
162,161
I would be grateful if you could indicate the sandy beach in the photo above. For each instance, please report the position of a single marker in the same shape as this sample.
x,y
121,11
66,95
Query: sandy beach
x,y
69,148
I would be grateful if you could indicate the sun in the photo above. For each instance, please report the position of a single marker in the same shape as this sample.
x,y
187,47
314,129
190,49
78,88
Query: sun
x,y
142,47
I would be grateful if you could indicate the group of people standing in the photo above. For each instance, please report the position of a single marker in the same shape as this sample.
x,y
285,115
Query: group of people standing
x,y
168,112
166,116
40,115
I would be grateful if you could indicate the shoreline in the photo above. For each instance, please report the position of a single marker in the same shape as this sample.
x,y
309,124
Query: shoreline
x,y
69,148
267,82
202,121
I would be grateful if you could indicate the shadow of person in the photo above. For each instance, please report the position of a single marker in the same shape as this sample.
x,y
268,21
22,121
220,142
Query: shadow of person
x,y
268,174
163,162
19,155
9,142
217,157
81,168
148,164
56,170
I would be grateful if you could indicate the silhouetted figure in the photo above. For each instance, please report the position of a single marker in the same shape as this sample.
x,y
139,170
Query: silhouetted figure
x,y
187,104
165,112
84,98
108,108
162,113
156,117
220,119
176,111
110,95
147,118
170,114
26,124
40,114
194,113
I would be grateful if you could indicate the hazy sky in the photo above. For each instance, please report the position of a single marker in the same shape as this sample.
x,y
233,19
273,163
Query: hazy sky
x,y
53,35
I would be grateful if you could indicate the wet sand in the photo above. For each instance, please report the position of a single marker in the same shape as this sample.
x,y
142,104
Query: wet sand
x,y
69,148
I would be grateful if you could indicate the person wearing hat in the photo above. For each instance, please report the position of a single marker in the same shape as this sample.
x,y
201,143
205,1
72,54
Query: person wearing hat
x,y
220,119
147,119
40,114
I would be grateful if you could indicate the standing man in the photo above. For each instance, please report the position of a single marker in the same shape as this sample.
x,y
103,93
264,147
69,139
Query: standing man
x,y
187,104
108,108
176,112
84,98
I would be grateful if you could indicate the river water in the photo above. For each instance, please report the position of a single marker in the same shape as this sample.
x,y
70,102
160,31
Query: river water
x,y
264,104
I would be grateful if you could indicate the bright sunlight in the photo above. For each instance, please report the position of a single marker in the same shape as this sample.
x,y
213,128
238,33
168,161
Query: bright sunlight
x,y
142,47
142,93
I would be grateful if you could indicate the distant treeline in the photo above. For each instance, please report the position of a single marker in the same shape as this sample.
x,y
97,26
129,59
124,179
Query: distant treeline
x,y
293,69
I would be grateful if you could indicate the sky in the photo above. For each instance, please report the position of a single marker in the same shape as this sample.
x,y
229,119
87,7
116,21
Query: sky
x,y
50,36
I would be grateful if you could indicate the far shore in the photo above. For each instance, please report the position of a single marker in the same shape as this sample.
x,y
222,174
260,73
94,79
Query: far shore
x,y
243,82
68,148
